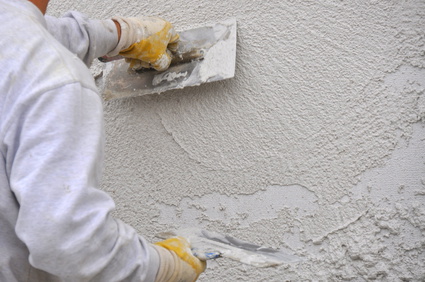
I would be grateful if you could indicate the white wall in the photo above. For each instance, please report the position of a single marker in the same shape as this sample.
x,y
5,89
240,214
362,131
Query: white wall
x,y
316,146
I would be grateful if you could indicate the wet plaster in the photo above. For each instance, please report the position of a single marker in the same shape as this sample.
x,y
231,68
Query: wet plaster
x,y
316,146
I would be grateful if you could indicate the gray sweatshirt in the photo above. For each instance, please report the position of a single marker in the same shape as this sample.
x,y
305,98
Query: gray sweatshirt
x,y
55,224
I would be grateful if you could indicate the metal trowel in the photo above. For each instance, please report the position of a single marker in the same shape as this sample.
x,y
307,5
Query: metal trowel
x,y
211,245
204,54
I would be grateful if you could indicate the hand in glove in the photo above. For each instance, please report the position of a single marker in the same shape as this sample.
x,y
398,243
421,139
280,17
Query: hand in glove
x,y
146,42
177,263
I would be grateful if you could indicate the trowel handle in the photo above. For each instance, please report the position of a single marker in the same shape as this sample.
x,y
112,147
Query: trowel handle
x,y
105,59
177,59
186,57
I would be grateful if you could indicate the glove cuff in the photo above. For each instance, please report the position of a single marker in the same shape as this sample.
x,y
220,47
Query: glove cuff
x,y
168,270
127,36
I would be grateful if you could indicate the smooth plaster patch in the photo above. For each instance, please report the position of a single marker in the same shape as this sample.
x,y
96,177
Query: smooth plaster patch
x,y
241,209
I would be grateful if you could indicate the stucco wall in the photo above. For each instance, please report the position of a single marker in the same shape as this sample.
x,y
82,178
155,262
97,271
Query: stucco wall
x,y
316,146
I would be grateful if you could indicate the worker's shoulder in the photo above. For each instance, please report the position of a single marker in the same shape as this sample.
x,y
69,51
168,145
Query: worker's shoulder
x,y
56,65
36,59
59,66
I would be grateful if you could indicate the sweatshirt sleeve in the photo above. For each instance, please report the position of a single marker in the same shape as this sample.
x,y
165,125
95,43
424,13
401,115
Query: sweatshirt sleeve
x,y
56,144
87,38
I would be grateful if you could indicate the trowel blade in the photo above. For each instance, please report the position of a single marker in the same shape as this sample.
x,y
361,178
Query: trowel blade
x,y
210,245
217,42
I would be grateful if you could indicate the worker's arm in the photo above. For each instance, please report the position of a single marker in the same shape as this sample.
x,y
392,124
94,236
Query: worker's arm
x,y
64,219
144,41
87,38
55,140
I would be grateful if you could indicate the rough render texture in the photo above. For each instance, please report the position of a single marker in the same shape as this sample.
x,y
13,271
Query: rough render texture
x,y
316,146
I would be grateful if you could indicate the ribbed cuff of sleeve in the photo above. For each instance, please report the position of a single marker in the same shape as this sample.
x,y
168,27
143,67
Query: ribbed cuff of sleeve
x,y
125,40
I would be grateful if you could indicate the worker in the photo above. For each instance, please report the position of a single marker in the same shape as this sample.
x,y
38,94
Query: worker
x,y
55,223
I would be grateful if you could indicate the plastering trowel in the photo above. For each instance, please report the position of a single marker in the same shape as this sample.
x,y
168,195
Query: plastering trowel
x,y
204,54
211,245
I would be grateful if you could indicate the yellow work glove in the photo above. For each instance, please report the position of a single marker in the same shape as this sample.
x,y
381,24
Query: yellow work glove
x,y
177,263
146,42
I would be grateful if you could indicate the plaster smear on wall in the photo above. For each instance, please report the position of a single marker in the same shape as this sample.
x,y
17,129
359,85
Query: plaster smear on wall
x,y
240,210
381,216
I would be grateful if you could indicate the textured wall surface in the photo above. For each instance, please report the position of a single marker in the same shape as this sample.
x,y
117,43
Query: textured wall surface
x,y
316,146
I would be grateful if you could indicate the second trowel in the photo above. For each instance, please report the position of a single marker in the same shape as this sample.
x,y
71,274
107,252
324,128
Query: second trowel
x,y
204,54
211,245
